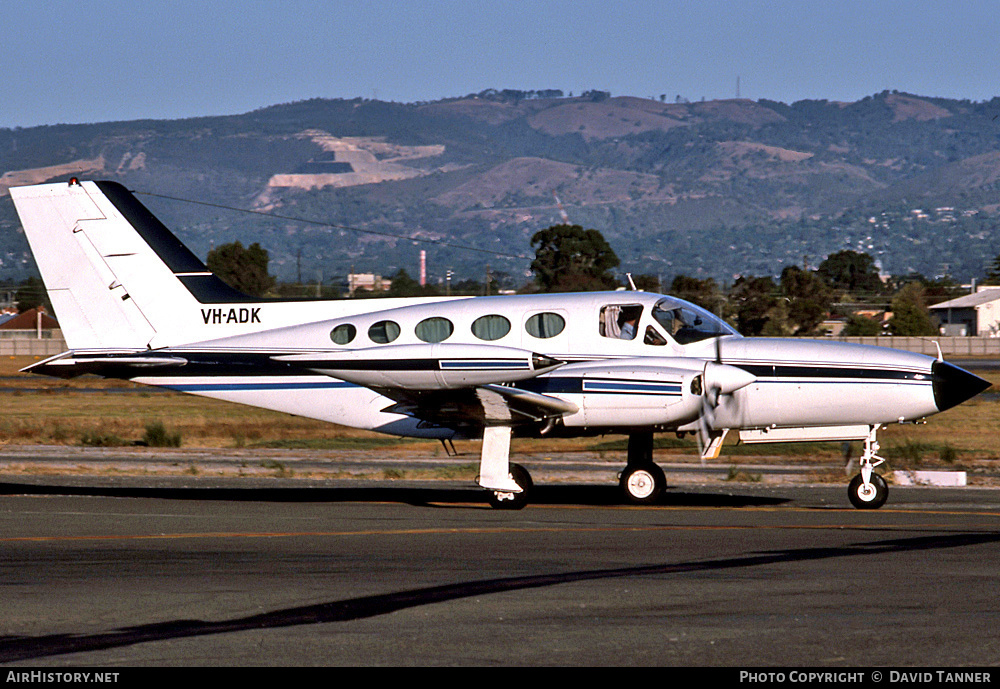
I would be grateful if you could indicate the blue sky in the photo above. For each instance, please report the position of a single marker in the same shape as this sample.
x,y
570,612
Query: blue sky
x,y
102,60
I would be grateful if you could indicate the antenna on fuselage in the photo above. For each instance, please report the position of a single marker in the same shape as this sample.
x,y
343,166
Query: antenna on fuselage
x,y
631,284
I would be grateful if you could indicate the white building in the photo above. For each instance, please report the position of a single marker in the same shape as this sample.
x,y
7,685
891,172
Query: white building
x,y
976,314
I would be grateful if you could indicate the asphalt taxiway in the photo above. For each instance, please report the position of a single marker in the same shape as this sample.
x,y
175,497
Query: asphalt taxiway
x,y
256,572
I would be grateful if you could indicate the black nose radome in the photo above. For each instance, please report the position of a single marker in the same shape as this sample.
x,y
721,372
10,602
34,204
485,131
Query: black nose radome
x,y
954,385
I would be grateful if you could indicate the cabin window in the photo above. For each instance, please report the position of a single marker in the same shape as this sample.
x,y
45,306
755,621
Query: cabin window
x,y
343,334
383,332
620,321
491,327
545,325
434,329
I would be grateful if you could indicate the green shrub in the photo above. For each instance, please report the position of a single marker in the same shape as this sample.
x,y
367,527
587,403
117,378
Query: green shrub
x,y
157,436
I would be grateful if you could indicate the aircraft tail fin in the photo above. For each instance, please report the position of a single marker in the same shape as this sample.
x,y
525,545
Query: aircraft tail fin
x,y
116,277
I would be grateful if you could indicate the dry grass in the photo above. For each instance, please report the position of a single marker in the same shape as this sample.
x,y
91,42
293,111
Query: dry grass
x,y
44,410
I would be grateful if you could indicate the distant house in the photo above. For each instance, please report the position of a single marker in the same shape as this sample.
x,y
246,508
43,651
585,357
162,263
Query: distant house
x,y
976,314
833,326
368,282
33,323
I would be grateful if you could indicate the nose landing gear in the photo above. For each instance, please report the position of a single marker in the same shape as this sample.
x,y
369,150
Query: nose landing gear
x,y
868,490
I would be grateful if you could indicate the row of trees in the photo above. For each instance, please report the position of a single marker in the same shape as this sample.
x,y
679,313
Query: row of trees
x,y
569,258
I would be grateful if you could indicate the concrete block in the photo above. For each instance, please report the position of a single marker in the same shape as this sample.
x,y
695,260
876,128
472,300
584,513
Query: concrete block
x,y
929,478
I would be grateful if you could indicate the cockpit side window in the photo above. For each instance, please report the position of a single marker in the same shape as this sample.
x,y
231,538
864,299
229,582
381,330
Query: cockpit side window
x,y
620,321
653,338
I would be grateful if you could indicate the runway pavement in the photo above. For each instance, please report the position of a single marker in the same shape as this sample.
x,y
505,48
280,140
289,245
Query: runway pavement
x,y
192,570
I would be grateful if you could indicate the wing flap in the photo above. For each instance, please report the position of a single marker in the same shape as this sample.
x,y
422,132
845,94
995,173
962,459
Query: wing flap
x,y
485,405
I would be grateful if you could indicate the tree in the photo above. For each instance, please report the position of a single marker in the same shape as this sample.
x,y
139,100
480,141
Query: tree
x,y
30,294
571,259
850,271
861,326
808,297
704,293
753,300
405,286
909,312
647,283
993,272
244,269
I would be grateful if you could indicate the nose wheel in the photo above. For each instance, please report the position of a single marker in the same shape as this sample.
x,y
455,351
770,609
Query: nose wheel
x,y
868,490
868,496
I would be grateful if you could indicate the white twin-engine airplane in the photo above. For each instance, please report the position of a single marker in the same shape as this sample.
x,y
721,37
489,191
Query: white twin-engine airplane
x,y
135,303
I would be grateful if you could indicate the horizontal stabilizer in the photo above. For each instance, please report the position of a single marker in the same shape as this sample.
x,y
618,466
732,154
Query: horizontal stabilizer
x,y
69,364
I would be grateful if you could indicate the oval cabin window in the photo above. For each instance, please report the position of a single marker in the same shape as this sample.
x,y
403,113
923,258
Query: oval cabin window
x,y
383,332
491,327
434,329
343,334
545,325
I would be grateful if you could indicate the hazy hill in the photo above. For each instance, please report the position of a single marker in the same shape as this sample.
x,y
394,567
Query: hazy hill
x,y
714,188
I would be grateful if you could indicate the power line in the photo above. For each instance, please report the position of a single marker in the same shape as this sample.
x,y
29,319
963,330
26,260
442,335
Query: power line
x,y
335,226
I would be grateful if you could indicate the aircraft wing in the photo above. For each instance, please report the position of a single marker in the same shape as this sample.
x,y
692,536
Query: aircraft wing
x,y
483,405
447,385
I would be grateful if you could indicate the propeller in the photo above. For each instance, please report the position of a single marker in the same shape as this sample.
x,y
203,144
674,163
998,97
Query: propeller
x,y
718,379
706,420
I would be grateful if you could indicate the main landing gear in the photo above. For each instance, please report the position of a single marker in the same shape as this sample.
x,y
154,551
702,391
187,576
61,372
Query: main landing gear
x,y
509,485
642,482
509,500
868,490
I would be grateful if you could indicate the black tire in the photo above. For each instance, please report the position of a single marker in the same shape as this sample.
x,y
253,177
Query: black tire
x,y
642,484
868,498
500,500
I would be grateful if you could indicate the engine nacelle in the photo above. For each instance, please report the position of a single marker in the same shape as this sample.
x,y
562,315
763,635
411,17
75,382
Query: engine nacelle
x,y
665,392
635,395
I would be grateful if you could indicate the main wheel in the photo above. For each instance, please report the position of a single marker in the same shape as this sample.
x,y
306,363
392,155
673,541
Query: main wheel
x,y
643,484
502,500
869,497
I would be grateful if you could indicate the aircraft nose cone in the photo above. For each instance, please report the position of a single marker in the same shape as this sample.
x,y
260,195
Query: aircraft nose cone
x,y
954,385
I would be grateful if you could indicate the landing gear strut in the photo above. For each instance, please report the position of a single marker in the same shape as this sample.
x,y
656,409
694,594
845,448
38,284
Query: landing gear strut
x,y
509,484
868,490
642,482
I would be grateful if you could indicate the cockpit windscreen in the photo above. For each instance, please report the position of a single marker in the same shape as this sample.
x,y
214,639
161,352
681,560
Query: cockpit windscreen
x,y
688,323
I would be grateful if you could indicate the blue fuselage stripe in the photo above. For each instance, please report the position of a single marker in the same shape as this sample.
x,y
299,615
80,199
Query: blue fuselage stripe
x,y
624,387
483,364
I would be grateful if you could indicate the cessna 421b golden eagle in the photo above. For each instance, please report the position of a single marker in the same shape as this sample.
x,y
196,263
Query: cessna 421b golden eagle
x,y
135,303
